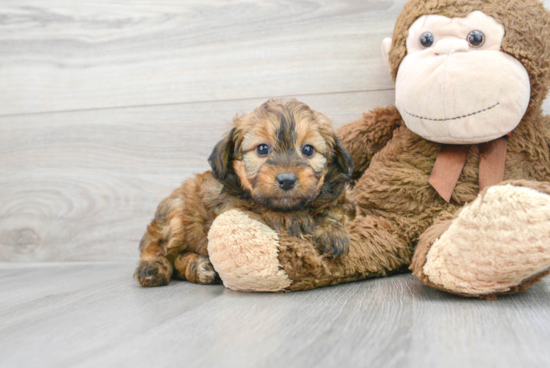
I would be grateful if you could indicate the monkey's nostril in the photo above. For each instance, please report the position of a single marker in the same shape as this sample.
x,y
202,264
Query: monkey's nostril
x,y
286,181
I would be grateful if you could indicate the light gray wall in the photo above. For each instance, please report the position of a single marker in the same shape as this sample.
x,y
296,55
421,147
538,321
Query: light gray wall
x,y
107,105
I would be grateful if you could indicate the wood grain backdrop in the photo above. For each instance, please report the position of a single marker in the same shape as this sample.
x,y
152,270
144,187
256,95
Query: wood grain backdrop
x,y
107,105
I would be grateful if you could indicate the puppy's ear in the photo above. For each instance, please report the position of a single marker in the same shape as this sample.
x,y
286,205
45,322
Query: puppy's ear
x,y
339,172
339,160
221,158
342,159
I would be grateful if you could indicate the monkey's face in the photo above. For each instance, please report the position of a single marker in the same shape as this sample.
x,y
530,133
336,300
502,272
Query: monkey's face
x,y
286,156
455,85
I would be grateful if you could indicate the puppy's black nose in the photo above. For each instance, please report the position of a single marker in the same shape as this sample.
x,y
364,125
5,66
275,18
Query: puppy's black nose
x,y
286,181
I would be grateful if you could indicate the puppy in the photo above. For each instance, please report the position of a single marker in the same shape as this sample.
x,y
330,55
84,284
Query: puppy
x,y
281,164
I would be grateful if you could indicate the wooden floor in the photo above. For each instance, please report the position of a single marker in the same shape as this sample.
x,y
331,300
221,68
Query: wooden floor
x,y
95,315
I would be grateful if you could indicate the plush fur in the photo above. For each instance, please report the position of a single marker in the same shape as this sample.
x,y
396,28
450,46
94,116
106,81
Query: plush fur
x,y
525,23
399,215
246,266
314,204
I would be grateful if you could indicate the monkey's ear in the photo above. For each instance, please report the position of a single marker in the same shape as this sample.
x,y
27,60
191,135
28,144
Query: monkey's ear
x,y
221,157
386,47
342,159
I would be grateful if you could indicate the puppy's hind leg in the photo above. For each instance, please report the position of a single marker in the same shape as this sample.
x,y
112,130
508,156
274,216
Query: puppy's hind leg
x,y
154,273
154,268
164,239
196,268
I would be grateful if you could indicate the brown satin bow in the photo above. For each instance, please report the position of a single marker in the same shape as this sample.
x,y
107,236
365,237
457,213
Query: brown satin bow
x,y
451,159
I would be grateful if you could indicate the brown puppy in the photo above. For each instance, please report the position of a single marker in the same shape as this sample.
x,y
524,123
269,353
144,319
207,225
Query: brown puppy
x,y
283,163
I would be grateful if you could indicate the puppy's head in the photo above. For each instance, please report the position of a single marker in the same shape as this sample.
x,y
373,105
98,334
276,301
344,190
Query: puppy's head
x,y
283,155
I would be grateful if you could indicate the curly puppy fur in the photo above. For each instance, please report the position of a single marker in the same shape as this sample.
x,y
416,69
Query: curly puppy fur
x,y
261,166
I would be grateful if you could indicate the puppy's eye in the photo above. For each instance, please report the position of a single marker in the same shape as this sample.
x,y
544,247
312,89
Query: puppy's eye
x,y
308,151
476,39
426,40
262,150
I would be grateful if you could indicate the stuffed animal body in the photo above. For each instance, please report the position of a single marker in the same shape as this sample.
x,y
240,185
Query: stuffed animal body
x,y
452,183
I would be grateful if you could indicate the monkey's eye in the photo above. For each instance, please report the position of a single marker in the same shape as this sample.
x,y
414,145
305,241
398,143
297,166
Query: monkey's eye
x,y
308,151
427,39
476,39
262,150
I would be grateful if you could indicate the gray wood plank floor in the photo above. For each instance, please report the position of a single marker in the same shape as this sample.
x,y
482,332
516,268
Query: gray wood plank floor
x,y
95,315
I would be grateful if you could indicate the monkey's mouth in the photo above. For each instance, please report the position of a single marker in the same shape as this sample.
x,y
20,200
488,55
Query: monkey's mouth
x,y
456,117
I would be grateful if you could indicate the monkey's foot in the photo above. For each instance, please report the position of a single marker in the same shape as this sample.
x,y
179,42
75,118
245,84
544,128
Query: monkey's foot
x,y
244,253
498,244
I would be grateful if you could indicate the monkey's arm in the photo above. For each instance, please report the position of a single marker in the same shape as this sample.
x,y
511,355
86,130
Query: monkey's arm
x,y
365,137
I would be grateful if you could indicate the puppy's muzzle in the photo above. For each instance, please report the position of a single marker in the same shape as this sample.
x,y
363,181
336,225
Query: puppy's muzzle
x,y
286,181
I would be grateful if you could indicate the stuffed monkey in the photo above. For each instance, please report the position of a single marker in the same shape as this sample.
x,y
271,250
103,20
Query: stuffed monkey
x,y
452,183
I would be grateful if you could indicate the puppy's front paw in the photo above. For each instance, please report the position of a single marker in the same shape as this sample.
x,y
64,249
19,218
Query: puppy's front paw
x,y
196,269
201,271
332,240
152,273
